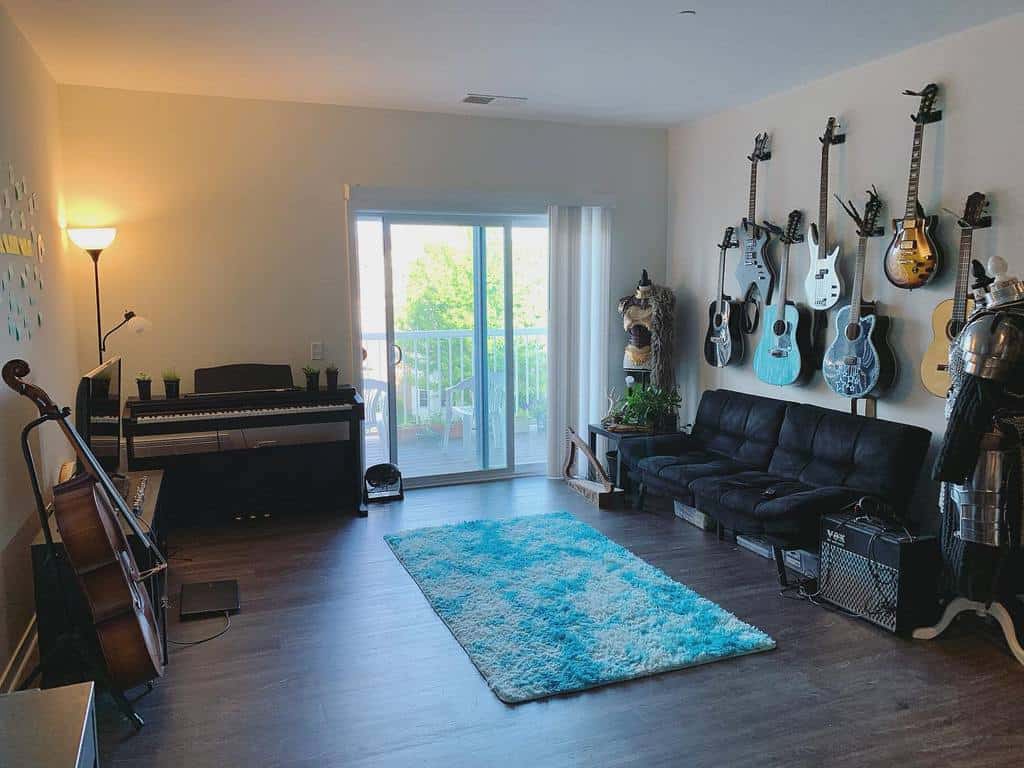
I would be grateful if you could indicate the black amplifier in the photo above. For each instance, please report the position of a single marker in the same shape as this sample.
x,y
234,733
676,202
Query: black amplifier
x,y
877,570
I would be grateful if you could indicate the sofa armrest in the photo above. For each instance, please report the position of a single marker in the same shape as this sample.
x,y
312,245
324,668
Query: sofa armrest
x,y
632,449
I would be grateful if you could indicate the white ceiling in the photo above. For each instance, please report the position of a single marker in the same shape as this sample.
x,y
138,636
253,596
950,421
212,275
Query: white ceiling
x,y
601,60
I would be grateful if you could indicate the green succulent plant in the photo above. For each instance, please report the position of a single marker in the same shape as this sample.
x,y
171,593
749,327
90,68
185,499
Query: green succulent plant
x,y
142,376
309,371
171,375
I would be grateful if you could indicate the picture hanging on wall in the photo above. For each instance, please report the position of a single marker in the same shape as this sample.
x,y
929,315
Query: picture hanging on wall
x,y
20,284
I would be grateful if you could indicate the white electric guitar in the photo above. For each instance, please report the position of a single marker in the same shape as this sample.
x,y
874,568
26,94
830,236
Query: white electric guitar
x,y
823,285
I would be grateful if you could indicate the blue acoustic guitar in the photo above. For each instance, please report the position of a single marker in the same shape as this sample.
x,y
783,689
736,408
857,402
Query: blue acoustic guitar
x,y
860,361
779,357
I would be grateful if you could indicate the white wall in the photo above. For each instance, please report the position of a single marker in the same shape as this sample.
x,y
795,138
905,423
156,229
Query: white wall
x,y
230,211
975,147
29,140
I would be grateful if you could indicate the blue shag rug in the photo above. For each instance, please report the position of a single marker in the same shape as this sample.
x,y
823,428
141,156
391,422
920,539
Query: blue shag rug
x,y
546,605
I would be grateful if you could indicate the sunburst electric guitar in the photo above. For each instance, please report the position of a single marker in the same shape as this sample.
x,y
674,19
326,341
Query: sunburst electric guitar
x,y
950,316
781,354
723,344
860,362
913,257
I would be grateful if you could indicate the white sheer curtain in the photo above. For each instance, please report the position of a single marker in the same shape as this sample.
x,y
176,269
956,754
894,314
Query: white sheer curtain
x,y
579,275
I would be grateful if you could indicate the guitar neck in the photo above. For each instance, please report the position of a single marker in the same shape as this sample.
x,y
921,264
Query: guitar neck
x,y
915,171
823,205
721,279
857,293
959,314
783,279
752,207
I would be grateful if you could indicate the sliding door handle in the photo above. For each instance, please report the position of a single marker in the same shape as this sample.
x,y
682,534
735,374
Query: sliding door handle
x,y
397,359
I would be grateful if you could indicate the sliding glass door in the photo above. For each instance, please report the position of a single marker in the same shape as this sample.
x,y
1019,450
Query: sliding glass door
x,y
455,352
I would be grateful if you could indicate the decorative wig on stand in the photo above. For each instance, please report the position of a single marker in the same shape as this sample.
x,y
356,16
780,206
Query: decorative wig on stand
x,y
648,317
981,463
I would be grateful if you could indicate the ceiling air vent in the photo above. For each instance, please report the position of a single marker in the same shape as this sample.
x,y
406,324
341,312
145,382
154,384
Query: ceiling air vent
x,y
490,98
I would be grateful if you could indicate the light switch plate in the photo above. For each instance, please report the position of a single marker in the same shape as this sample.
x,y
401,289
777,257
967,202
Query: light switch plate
x,y
316,350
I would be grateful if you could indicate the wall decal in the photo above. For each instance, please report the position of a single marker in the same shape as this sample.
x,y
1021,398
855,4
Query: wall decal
x,y
20,285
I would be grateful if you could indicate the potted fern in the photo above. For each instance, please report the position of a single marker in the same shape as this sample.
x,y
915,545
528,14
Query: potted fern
x,y
332,378
145,385
172,384
312,378
646,408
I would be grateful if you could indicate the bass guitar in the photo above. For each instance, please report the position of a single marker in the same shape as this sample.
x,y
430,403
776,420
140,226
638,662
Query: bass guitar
x,y
823,285
755,273
723,344
950,316
785,341
860,361
913,257
86,510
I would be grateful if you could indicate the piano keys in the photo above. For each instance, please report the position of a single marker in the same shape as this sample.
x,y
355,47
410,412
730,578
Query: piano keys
x,y
253,452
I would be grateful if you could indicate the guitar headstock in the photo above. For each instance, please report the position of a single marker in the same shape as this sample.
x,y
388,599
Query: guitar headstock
x,y
830,136
867,225
792,233
727,239
926,113
761,148
975,212
872,208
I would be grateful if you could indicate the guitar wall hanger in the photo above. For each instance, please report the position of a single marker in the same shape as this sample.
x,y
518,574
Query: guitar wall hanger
x,y
835,138
983,223
778,231
851,210
925,117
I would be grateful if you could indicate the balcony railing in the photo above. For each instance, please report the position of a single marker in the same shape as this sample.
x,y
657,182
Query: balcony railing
x,y
437,372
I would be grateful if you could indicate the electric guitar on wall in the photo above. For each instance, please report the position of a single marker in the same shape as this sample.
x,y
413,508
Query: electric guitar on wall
x,y
779,358
823,285
723,344
860,361
913,257
950,316
754,272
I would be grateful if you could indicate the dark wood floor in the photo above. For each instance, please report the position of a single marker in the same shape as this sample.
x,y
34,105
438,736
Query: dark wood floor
x,y
337,660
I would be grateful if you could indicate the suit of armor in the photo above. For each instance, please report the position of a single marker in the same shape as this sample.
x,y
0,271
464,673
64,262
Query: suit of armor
x,y
981,464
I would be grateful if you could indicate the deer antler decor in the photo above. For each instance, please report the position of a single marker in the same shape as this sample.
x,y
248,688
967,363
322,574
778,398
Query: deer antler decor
x,y
601,492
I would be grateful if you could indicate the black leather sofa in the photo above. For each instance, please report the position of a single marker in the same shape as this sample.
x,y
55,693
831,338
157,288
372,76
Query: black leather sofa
x,y
767,467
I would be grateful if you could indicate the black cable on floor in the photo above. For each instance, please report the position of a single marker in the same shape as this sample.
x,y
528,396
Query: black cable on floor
x,y
227,626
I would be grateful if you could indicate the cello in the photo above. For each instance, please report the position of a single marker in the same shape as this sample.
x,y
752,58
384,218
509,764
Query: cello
x,y
86,510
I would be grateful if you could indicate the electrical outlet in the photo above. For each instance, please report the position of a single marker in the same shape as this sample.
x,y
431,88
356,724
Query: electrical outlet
x,y
316,350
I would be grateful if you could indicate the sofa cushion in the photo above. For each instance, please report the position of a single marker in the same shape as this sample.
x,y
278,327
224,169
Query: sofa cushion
x,y
632,450
740,426
768,503
683,469
822,447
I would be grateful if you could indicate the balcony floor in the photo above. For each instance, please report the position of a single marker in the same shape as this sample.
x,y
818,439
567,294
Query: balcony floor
x,y
423,456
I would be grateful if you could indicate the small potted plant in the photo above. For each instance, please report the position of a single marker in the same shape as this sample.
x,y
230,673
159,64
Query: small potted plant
x,y
332,378
145,385
312,378
172,384
645,408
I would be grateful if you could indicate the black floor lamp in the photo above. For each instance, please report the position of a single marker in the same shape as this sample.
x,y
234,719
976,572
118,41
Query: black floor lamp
x,y
93,240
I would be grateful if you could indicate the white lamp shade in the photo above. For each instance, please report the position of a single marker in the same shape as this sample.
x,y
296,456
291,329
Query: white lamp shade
x,y
92,238
140,324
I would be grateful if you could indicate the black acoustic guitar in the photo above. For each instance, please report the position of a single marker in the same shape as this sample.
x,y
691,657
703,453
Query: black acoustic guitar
x,y
913,257
723,344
